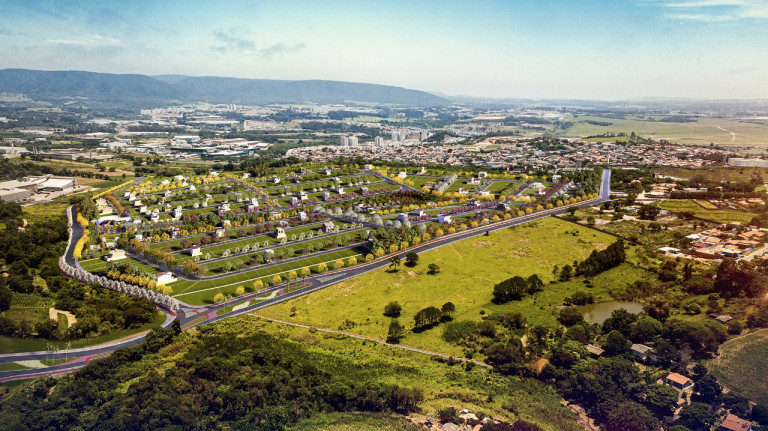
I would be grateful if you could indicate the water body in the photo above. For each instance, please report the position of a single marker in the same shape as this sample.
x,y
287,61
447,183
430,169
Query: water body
x,y
597,313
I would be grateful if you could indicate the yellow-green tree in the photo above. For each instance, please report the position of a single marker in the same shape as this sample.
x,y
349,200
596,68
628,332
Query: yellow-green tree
x,y
239,290
258,285
218,298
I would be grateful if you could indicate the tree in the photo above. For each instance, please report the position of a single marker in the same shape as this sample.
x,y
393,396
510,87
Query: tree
x,y
393,309
219,297
535,284
570,316
448,414
394,262
511,289
630,415
258,285
616,344
620,320
649,212
433,268
239,290
411,259
566,273
447,309
707,390
661,399
695,416
396,331
5,298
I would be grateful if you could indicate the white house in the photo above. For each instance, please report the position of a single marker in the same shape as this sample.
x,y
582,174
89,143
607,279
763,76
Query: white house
x,y
165,278
444,218
195,250
418,213
279,233
116,254
177,212
402,175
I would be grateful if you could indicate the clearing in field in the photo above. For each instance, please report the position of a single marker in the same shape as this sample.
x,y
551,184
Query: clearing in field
x,y
469,270
742,365
698,131
717,216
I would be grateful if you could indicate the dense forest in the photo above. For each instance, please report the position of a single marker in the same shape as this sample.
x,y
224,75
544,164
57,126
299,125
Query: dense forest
x,y
255,382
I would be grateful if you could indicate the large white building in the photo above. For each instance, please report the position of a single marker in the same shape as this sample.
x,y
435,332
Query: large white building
x,y
748,163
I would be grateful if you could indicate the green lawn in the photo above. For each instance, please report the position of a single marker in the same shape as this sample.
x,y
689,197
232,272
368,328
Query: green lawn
x,y
470,268
718,216
742,365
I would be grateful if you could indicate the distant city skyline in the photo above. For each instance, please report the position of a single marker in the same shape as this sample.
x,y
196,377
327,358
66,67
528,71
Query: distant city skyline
x,y
591,49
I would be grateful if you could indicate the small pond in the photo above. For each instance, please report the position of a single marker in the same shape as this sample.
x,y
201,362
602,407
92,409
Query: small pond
x,y
597,313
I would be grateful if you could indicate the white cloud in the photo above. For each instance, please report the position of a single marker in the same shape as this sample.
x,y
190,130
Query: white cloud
x,y
715,10
90,40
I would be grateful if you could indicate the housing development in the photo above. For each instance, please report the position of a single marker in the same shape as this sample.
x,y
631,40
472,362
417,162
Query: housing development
x,y
493,216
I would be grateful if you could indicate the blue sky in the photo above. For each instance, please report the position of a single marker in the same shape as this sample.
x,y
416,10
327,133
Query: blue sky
x,y
590,49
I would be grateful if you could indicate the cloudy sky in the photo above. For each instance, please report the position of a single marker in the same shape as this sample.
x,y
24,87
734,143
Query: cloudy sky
x,y
610,49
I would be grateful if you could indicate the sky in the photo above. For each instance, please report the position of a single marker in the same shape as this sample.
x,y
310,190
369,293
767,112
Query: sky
x,y
563,49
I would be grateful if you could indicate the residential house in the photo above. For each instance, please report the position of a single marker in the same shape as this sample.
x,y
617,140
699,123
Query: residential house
x,y
643,353
165,278
444,218
116,254
735,423
678,381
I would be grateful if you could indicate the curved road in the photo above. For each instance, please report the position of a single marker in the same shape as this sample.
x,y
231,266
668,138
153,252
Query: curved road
x,y
190,316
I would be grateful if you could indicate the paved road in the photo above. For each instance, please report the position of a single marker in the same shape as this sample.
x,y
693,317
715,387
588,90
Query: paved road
x,y
193,316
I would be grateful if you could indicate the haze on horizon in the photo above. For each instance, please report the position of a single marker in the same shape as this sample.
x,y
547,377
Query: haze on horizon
x,y
561,49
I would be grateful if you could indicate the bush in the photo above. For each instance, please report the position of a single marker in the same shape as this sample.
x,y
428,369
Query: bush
x,y
393,309
570,316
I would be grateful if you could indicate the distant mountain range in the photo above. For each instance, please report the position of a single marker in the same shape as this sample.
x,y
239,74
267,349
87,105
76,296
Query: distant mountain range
x,y
115,90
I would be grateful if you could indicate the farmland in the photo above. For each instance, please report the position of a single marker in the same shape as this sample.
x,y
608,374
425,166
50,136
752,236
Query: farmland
x,y
742,365
716,215
699,131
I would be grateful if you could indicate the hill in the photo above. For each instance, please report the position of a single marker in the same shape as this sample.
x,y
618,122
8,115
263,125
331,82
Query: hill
x,y
130,90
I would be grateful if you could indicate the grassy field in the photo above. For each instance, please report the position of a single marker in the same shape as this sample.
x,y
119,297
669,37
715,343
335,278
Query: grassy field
x,y
703,131
711,173
470,268
742,365
442,385
718,216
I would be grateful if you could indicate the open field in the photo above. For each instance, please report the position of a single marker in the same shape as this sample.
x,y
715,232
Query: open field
x,y
742,365
718,216
703,131
470,268
442,385
711,173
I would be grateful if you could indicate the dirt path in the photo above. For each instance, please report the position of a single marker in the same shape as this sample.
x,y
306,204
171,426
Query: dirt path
x,y
733,134
53,314
375,340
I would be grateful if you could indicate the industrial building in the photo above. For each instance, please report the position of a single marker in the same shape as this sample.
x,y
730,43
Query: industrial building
x,y
24,189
